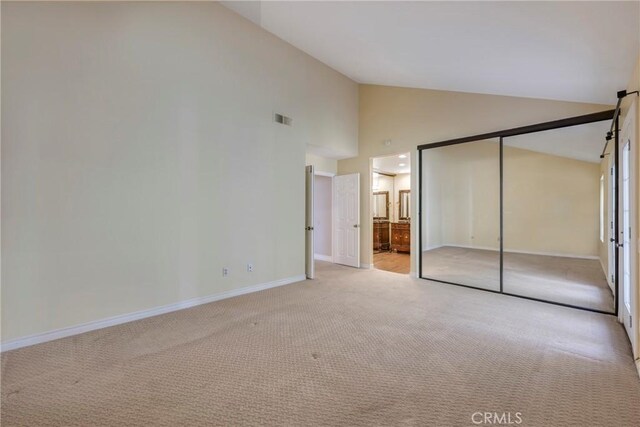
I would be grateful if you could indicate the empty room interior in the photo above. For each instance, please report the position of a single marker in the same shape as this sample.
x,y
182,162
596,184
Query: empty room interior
x,y
320,213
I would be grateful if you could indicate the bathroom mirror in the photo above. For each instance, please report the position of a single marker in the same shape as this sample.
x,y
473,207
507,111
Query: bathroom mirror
x,y
381,205
404,208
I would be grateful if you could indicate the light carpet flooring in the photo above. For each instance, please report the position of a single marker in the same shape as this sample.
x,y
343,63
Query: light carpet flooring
x,y
353,347
574,281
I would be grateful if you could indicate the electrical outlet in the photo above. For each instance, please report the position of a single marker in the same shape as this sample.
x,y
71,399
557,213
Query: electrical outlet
x,y
225,271
250,268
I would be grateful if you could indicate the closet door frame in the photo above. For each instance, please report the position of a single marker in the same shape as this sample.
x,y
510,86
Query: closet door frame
x,y
540,127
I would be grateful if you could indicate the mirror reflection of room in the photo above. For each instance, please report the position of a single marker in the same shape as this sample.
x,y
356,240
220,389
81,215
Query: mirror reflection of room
x,y
391,213
461,214
558,216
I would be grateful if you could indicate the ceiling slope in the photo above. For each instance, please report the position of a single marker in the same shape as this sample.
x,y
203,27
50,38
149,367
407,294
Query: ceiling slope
x,y
572,51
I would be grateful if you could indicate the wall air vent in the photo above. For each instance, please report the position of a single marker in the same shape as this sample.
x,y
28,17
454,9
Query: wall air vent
x,y
284,120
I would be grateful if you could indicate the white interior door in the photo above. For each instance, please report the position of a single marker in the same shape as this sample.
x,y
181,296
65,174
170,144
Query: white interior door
x,y
346,219
308,223
627,254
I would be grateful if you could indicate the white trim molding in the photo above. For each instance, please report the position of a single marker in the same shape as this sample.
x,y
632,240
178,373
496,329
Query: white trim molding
x,y
130,317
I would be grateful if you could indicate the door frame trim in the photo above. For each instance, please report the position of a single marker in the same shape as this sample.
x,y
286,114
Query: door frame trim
x,y
633,224
538,127
309,211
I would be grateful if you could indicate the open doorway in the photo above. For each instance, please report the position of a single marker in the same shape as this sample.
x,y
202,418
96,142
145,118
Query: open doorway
x,y
323,195
318,219
391,212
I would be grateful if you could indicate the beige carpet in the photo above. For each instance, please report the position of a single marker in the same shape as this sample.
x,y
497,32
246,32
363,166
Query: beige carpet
x,y
574,281
353,347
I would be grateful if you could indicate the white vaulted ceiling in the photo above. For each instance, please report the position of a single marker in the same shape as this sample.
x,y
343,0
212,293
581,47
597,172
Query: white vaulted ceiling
x,y
575,51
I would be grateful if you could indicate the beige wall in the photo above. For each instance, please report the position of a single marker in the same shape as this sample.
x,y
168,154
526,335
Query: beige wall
x,y
550,202
138,141
322,164
462,196
410,117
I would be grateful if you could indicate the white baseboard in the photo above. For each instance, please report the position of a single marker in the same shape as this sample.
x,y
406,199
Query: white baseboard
x,y
517,251
366,266
130,317
321,257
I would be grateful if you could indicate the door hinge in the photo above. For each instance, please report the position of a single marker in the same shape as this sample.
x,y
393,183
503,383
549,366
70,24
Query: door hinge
x,y
630,321
309,228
